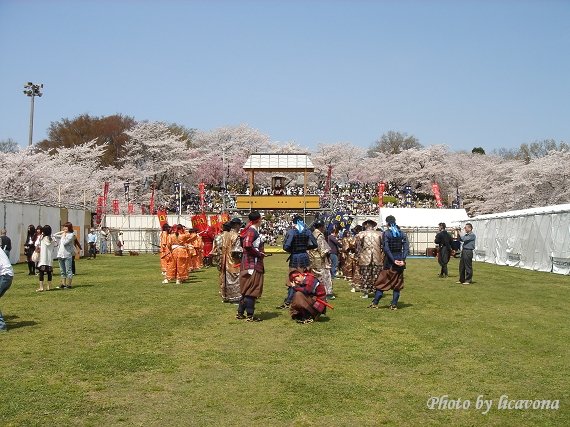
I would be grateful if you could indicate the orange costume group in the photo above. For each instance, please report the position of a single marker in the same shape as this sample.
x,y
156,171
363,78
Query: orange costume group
x,y
181,252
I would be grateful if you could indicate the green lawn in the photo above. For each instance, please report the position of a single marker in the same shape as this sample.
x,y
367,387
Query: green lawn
x,y
123,349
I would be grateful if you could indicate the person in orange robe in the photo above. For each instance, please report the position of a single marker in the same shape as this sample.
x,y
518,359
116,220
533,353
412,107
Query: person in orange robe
x,y
199,252
180,250
164,251
194,240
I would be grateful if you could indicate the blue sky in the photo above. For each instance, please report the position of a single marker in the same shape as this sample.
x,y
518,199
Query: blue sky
x,y
493,74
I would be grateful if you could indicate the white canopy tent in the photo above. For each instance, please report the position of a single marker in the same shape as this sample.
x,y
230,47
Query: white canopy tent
x,y
535,239
15,216
417,217
421,225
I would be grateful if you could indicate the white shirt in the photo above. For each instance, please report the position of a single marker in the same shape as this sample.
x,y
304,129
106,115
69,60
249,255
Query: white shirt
x,y
46,251
5,265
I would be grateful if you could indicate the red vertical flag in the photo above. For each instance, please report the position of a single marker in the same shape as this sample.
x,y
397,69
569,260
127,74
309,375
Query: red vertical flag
x,y
381,188
116,207
105,195
201,187
151,204
99,211
215,222
437,195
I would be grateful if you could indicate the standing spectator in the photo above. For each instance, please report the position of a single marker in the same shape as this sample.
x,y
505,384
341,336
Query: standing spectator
x,y
466,260
92,242
6,277
104,240
47,246
5,242
252,269
65,254
36,254
443,240
396,248
29,248
119,244
370,256
76,247
334,246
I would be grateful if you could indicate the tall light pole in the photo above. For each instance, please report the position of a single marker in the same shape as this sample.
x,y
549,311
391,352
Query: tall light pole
x,y
32,90
178,189
223,178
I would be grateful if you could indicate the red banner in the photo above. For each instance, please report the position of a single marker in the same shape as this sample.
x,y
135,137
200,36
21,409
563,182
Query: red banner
x,y
436,194
115,207
200,222
105,195
151,204
381,188
162,219
225,217
215,222
201,187
130,208
99,211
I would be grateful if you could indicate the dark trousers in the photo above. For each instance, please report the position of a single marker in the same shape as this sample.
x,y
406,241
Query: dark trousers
x,y
92,250
443,259
247,305
31,267
466,266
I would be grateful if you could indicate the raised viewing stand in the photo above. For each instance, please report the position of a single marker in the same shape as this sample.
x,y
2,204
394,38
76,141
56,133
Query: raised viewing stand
x,y
277,202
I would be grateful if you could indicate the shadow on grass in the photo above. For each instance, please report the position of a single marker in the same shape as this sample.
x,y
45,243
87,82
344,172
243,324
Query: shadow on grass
x,y
267,315
401,306
21,324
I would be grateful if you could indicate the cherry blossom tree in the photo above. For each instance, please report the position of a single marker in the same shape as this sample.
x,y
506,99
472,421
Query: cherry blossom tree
x,y
228,147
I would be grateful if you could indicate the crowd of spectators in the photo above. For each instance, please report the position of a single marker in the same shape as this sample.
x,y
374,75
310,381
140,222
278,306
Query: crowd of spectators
x,y
354,198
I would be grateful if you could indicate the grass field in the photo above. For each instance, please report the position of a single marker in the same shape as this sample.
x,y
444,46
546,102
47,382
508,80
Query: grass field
x,y
123,349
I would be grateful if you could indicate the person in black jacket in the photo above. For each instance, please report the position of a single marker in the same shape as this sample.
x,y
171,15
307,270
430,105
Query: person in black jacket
x,y
443,241
5,242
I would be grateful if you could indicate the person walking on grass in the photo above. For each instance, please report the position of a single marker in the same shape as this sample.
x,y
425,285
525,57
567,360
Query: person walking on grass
x,y
29,248
230,262
6,277
252,269
92,242
65,253
396,249
466,261
47,246
370,256
5,242
443,241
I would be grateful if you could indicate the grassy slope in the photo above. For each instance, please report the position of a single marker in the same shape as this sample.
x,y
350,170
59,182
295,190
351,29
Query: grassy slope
x,y
123,349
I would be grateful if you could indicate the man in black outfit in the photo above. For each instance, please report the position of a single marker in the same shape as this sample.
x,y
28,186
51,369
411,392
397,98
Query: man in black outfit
x,y
443,240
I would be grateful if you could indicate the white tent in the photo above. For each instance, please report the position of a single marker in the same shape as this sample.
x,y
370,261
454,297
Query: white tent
x,y
417,217
15,216
421,225
535,239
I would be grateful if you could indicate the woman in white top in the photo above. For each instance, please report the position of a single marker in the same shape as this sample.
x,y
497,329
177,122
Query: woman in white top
x,y
65,254
47,245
